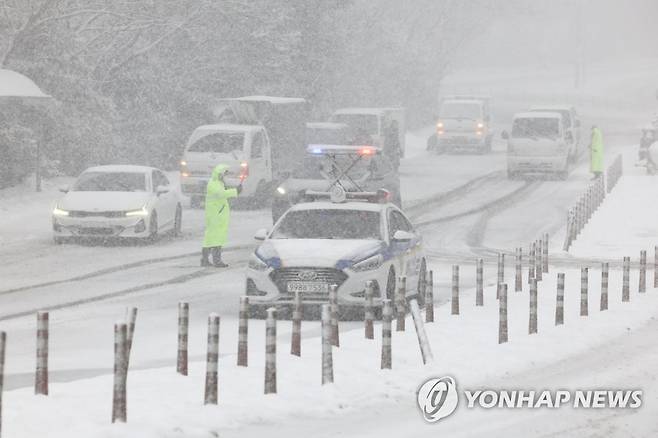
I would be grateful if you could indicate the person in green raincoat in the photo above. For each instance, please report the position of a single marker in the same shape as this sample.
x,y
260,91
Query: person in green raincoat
x,y
596,152
217,216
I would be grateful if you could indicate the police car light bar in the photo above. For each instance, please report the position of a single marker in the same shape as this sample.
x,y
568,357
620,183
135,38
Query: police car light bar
x,y
381,196
326,149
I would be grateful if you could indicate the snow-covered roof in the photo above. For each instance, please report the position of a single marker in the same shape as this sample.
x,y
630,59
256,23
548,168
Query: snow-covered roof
x,y
126,168
271,99
552,108
326,125
349,205
228,127
13,84
373,111
538,115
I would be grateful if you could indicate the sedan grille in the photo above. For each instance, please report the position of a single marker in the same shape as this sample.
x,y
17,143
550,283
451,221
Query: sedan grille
x,y
330,276
78,213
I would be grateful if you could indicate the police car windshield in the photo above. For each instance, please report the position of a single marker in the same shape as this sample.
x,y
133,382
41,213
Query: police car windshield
x,y
539,127
328,224
110,182
324,167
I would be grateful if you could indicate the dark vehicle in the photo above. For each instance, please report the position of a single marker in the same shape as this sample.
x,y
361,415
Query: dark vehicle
x,y
354,168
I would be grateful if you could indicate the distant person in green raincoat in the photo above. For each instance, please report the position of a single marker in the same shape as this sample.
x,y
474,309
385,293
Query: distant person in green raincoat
x,y
217,216
596,152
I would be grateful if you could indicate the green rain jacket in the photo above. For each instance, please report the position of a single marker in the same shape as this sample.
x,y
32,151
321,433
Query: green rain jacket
x,y
596,151
217,209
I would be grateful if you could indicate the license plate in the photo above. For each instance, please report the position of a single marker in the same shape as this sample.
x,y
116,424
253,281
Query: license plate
x,y
307,287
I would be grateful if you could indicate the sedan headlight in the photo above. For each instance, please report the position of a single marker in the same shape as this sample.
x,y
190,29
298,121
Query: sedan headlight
x,y
368,264
256,263
142,212
59,212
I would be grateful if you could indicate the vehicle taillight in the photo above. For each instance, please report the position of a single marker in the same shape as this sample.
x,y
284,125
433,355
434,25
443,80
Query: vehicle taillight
x,y
366,150
244,170
480,125
183,169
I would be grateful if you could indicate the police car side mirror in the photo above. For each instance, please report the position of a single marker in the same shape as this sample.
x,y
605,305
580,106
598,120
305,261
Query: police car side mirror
x,y
261,234
403,236
504,135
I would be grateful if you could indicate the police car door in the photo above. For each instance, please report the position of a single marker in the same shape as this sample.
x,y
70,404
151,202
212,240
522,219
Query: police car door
x,y
406,254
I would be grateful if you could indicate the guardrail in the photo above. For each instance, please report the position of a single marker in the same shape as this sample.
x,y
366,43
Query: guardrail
x,y
579,215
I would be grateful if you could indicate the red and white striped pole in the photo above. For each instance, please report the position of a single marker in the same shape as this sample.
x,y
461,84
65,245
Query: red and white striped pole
x,y
539,268
212,358
119,403
502,315
270,351
368,310
3,344
584,286
327,358
333,302
642,286
183,325
296,337
131,319
455,290
531,262
559,300
545,255
401,305
429,298
479,283
626,281
387,312
532,325
501,273
604,286
421,335
243,332
41,378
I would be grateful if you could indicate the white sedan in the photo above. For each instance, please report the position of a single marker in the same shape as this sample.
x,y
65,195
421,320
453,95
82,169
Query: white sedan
x,y
118,202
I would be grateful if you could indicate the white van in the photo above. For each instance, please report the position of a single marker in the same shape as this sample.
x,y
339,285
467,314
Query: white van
x,y
538,144
375,123
244,148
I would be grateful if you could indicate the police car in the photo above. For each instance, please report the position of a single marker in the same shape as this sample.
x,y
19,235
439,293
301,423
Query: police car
x,y
345,239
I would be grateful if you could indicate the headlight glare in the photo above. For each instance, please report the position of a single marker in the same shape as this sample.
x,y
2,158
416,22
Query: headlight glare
x,y
59,212
142,212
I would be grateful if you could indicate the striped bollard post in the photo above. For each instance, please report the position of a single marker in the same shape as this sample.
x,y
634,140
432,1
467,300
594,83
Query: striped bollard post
x,y
573,232
626,281
243,332
604,286
532,323
387,362
327,358
429,298
584,286
531,262
119,404
502,315
538,259
270,351
559,300
455,290
183,326
518,280
479,283
501,273
212,358
41,377
333,302
296,336
3,343
421,334
545,255
131,319
401,305
642,285
655,267
368,310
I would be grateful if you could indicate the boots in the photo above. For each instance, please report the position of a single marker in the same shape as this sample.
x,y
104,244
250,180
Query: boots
x,y
205,257
217,257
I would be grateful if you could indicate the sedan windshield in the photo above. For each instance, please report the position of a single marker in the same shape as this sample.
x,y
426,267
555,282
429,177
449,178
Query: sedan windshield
x,y
540,127
111,182
329,224
219,143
